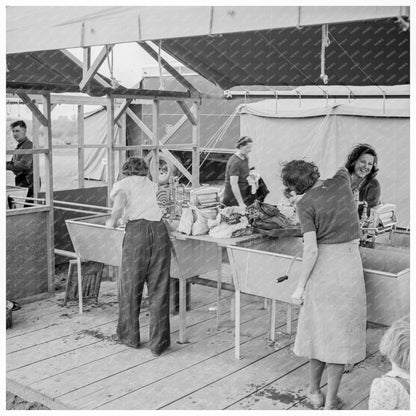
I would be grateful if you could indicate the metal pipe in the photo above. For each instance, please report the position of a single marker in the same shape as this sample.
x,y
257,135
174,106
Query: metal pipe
x,y
76,204
79,210
211,283
65,253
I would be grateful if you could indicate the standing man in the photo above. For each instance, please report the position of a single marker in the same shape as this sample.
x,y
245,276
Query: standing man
x,y
237,189
22,165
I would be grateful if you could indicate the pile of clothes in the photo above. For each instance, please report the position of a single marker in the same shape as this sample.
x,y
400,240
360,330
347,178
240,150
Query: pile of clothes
x,y
230,222
266,218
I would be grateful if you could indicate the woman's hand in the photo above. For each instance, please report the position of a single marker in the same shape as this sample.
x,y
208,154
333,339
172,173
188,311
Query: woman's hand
x,y
297,295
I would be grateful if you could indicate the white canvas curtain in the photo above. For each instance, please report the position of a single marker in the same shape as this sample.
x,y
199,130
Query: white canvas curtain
x,y
325,135
95,132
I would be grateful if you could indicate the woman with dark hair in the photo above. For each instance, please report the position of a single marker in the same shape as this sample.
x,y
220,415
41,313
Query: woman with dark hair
x,y
145,257
362,166
237,189
332,319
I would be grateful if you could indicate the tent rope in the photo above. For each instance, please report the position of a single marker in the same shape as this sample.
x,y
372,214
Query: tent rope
x,y
352,60
324,44
217,137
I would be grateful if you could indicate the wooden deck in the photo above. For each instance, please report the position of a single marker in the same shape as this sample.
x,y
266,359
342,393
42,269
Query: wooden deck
x,y
69,361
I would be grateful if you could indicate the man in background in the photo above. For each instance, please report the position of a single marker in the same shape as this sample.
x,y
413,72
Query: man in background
x,y
22,165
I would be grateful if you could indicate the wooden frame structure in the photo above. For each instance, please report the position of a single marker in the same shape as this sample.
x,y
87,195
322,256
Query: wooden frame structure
x,y
117,107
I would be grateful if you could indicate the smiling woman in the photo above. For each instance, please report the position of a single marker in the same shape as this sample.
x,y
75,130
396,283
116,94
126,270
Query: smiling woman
x,y
362,166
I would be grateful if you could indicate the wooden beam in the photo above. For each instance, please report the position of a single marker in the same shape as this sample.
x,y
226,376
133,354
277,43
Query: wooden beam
x,y
87,58
27,152
33,108
140,123
95,66
157,94
187,112
174,129
177,163
35,139
110,146
122,156
196,143
122,109
155,142
86,61
49,197
181,79
80,145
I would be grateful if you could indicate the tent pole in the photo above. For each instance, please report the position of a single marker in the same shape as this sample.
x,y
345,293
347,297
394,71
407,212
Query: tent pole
x,y
49,195
81,183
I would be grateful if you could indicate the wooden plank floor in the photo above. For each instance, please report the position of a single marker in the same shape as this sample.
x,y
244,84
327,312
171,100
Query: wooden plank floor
x,y
69,361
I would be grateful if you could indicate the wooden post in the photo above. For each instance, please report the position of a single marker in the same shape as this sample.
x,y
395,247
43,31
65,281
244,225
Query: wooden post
x,y
110,147
155,142
35,139
182,311
122,155
49,195
81,183
86,61
196,138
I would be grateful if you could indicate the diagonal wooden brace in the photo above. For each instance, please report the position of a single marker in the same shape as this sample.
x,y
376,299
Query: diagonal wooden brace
x,y
94,67
33,108
187,112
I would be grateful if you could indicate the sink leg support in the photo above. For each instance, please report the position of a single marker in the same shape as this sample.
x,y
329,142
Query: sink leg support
x,y
237,324
79,284
289,319
219,280
182,311
272,334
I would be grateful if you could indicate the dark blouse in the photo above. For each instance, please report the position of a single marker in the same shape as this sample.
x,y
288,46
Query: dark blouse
x,y
330,210
370,192
237,167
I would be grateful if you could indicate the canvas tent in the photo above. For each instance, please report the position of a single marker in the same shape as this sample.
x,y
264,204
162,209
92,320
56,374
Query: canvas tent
x,y
234,45
95,132
324,132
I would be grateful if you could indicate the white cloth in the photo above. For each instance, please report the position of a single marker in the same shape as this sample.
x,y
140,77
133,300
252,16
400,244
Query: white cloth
x,y
141,198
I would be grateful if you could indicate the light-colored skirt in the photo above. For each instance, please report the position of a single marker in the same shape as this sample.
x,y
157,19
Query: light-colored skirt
x,y
332,319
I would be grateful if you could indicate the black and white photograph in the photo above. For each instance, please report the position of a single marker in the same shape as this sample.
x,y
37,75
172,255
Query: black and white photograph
x,y
208,206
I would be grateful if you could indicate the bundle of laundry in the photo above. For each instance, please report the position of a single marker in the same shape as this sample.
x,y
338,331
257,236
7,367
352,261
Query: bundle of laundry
x,y
263,216
230,222
194,221
287,207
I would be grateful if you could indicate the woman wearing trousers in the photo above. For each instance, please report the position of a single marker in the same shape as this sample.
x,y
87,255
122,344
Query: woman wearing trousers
x,y
145,257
